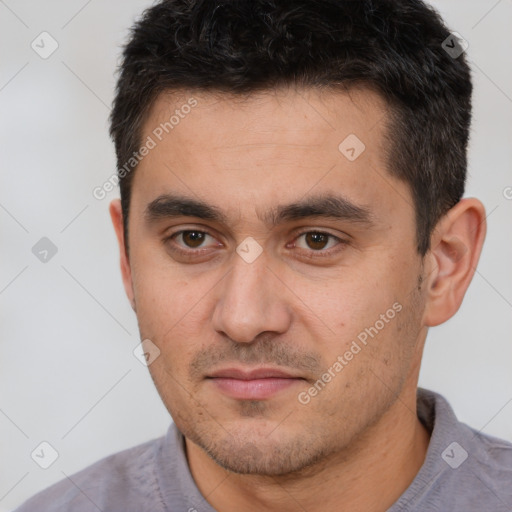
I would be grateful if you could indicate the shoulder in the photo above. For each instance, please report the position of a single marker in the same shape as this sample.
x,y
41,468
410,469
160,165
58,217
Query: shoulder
x,y
121,481
461,443
492,456
464,468
478,472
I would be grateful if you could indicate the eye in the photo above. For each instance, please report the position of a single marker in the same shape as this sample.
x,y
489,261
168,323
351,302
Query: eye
x,y
316,243
191,239
193,242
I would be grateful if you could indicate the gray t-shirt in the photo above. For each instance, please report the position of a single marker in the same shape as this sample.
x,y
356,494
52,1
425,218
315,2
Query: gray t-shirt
x,y
464,470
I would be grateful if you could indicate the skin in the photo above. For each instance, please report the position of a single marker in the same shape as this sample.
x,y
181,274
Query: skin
x,y
357,444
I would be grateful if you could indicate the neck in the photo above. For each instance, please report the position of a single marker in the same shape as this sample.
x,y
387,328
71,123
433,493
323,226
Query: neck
x,y
369,476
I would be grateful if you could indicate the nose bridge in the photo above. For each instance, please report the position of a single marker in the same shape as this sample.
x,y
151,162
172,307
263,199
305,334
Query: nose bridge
x,y
249,301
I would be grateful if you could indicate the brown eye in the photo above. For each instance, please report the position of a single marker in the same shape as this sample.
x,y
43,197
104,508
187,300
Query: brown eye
x,y
316,241
190,244
189,241
193,239
318,244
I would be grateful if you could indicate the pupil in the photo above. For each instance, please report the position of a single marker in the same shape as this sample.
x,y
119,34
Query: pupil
x,y
195,237
317,238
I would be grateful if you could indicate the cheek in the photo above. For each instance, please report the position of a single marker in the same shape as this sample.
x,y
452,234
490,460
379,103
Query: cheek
x,y
163,296
348,307
370,337
172,312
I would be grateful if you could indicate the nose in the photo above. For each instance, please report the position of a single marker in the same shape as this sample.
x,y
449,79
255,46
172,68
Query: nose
x,y
250,301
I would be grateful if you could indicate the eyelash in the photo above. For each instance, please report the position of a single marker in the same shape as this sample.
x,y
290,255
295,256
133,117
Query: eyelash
x,y
311,253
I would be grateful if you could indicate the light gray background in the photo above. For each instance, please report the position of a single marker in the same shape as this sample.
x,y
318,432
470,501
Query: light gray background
x,y
68,374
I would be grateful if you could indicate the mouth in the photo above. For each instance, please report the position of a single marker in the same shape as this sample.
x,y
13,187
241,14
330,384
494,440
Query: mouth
x,y
253,384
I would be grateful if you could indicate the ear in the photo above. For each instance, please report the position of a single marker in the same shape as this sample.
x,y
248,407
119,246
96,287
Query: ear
x,y
116,215
456,244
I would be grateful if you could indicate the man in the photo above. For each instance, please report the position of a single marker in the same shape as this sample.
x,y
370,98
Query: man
x,y
291,223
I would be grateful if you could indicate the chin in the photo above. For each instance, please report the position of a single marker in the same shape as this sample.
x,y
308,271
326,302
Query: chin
x,y
248,453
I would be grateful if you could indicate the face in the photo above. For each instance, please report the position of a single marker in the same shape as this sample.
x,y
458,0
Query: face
x,y
276,272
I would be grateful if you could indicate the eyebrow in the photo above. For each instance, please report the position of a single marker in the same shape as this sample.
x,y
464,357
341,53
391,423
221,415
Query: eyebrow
x,y
168,206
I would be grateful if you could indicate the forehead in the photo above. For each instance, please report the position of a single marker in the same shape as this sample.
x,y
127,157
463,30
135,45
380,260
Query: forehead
x,y
261,114
246,152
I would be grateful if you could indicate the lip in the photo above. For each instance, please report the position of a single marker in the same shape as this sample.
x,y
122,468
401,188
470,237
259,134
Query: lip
x,y
256,373
254,384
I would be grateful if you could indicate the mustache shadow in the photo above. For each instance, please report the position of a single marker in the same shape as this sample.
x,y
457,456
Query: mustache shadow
x,y
265,351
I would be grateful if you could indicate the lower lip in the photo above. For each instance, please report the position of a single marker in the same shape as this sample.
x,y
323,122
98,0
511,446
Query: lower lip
x,y
256,389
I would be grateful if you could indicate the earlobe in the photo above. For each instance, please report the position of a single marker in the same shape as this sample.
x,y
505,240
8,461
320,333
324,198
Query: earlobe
x,y
456,245
116,214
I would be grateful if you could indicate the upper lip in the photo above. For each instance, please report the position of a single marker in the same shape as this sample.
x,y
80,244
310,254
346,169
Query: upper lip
x,y
256,373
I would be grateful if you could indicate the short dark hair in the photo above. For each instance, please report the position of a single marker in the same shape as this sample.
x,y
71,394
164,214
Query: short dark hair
x,y
244,46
